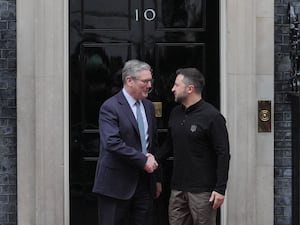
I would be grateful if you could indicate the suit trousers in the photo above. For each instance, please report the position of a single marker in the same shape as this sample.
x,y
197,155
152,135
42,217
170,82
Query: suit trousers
x,y
134,211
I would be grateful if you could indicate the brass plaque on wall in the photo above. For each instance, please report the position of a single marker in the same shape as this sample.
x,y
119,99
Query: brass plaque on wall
x,y
264,116
158,109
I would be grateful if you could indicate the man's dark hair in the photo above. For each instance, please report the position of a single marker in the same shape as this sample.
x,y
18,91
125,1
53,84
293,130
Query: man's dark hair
x,y
192,76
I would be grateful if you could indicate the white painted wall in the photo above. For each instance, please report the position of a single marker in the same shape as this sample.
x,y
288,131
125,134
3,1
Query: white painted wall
x,y
265,91
42,104
248,76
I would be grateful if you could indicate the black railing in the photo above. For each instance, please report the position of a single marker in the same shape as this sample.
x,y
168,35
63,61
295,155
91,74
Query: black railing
x,y
294,93
294,79
296,159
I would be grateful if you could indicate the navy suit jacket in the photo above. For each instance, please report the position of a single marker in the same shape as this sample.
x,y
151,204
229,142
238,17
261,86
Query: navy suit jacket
x,y
121,160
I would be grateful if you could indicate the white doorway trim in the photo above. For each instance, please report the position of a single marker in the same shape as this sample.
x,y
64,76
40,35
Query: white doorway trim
x,y
223,83
66,117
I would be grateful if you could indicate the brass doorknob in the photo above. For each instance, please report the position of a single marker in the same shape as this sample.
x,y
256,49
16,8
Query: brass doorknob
x,y
264,115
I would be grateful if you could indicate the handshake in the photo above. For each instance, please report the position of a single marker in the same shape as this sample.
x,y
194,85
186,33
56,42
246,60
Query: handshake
x,y
151,163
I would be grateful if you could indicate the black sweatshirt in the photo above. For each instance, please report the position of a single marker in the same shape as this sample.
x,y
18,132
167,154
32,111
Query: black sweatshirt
x,y
198,138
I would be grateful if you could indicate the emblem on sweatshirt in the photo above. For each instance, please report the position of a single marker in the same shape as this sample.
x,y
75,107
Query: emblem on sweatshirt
x,y
193,128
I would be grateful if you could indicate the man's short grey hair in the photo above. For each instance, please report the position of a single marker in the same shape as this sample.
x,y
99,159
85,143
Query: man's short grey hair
x,y
132,67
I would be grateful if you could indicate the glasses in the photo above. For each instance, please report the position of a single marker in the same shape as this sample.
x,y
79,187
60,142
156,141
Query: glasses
x,y
144,81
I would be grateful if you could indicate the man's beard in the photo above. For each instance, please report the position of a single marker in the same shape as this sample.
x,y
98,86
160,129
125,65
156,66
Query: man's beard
x,y
180,98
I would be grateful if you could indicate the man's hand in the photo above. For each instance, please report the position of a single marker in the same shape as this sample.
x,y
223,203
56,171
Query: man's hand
x,y
158,189
217,199
151,163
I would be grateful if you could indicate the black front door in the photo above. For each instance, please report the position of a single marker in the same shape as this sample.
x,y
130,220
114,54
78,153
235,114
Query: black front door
x,y
167,34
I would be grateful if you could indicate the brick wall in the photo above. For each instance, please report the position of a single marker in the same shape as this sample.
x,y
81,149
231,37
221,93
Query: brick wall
x,y
282,118
8,156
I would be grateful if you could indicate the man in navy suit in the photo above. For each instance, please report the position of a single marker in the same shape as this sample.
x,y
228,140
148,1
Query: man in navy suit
x,y
126,180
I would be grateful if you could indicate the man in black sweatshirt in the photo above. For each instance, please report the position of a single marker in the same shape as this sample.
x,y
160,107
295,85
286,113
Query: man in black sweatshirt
x,y
198,140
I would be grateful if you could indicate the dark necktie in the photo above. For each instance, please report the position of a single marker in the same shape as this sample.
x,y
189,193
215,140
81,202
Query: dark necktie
x,y
140,121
